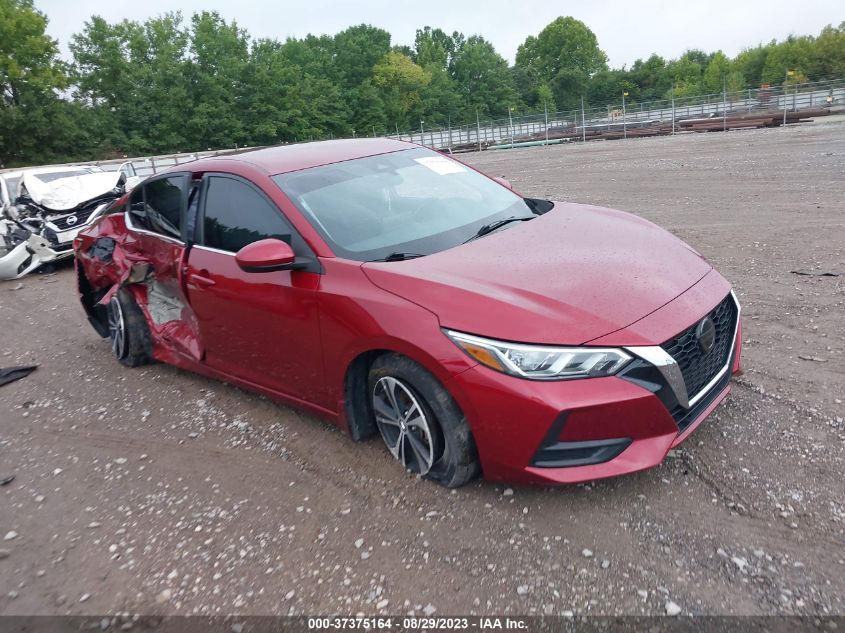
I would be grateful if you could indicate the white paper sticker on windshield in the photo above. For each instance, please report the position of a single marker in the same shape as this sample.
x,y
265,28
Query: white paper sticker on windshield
x,y
441,165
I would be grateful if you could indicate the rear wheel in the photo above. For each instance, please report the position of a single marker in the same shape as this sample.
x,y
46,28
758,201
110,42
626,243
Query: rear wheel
x,y
419,422
129,333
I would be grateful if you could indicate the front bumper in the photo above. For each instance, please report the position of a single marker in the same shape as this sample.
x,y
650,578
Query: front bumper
x,y
556,432
63,243
64,229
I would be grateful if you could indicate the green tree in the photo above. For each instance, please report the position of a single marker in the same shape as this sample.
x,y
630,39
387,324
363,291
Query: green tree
x,y
567,88
325,110
272,103
606,87
157,52
687,73
441,100
368,109
214,72
750,63
561,59
650,78
827,58
720,74
433,47
357,50
111,62
545,99
314,55
36,125
483,79
401,83
795,53
434,51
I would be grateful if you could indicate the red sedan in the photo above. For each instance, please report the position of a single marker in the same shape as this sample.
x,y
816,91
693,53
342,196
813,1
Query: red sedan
x,y
395,291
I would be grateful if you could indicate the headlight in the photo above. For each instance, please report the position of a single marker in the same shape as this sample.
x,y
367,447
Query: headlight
x,y
541,363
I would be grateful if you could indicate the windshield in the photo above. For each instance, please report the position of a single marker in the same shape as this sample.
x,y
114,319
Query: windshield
x,y
413,201
50,176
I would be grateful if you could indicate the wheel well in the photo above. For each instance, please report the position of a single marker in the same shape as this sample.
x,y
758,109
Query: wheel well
x,y
97,314
355,401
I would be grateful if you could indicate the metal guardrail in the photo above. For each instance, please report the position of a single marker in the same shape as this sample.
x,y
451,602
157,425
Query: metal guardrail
x,y
149,165
793,98
482,134
146,165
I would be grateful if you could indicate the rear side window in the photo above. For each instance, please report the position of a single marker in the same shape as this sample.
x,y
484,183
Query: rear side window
x,y
236,215
157,207
163,200
136,209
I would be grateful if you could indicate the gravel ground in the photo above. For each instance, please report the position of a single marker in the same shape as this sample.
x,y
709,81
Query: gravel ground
x,y
157,491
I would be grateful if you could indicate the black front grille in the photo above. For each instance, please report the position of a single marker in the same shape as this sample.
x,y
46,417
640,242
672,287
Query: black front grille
x,y
685,417
697,366
81,218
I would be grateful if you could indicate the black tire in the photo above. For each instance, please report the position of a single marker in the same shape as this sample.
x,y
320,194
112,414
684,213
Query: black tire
x,y
454,457
129,333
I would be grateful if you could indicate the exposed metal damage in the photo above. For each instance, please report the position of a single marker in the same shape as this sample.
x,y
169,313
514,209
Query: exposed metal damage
x,y
162,304
115,261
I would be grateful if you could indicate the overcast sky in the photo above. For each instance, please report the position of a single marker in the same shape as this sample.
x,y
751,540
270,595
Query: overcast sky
x,y
626,29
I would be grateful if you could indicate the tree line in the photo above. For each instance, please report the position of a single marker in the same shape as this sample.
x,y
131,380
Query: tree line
x,y
171,84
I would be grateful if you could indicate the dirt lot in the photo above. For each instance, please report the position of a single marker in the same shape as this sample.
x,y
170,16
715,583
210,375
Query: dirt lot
x,y
157,491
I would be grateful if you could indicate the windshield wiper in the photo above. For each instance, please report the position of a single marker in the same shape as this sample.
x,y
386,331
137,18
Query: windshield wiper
x,y
492,226
397,257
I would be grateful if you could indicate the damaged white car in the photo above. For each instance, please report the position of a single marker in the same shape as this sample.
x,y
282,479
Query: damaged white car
x,y
43,209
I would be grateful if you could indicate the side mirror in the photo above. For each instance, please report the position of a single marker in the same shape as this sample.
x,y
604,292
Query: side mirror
x,y
503,181
266,256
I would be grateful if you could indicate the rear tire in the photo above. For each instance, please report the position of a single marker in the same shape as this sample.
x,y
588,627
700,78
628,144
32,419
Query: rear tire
x,y
129,333
420,423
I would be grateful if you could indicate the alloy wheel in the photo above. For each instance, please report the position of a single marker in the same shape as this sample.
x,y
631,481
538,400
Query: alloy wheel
x,y
403,424
117,328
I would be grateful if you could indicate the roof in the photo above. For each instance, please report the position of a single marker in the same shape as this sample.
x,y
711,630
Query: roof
x,y
285,158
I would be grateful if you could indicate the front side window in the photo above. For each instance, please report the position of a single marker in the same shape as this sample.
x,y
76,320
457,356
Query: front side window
x,y
157,206
236,214
414,201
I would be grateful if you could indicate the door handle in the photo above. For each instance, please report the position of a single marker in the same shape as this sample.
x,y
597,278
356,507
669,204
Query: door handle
x,y
202,281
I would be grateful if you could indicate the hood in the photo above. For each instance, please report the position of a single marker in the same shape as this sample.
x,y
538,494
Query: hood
x,y
567,277
64,194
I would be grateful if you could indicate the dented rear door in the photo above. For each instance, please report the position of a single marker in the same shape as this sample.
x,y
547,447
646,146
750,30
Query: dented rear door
x,y
157,214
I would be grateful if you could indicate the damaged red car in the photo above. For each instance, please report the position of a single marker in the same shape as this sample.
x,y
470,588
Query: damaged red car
x,y
397,292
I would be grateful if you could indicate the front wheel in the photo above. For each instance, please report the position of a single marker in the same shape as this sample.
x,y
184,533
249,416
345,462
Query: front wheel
x,y
420,423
